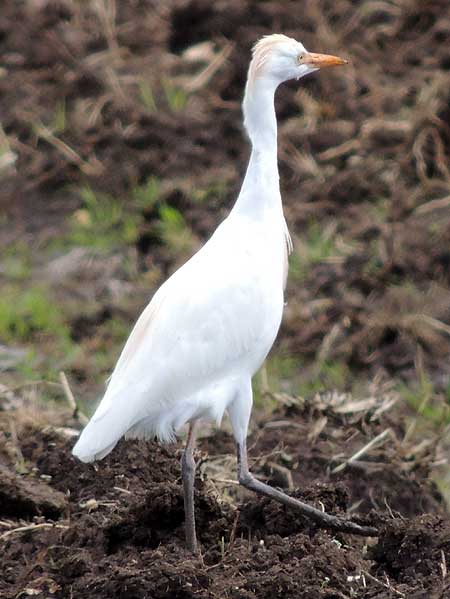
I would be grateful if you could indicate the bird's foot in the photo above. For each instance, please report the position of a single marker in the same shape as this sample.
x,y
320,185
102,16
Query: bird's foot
x,y
323,519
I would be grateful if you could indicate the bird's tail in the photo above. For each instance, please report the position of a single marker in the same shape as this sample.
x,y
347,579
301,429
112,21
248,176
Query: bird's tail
x,y
103,431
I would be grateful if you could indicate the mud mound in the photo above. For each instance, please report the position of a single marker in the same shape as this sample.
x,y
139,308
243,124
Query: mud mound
x,y
390,477
28,499
119,527
415,553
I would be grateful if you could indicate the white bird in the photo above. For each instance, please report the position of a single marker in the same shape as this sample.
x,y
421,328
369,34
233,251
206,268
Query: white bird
x,y
195,348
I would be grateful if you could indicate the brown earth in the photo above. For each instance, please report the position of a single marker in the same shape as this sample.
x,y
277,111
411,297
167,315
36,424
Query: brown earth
x,y
116,529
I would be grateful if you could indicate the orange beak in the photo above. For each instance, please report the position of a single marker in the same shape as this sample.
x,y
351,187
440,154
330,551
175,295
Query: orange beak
x,y
322,60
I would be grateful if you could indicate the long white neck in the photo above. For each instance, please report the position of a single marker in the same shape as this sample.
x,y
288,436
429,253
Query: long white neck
x,y
260,190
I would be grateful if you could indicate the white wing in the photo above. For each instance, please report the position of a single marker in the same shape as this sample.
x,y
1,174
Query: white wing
x,y
213,320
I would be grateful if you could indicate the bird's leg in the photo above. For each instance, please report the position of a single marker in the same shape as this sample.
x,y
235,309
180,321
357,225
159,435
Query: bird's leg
x,y
188,475
322,518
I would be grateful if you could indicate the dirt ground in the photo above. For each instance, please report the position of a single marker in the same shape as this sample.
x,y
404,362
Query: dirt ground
x,y
116,529
107,96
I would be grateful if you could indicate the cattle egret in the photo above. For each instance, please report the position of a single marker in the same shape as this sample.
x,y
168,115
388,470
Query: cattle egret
x,y
195,348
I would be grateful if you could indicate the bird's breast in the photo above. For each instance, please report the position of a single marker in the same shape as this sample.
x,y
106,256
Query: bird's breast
x,y
251,274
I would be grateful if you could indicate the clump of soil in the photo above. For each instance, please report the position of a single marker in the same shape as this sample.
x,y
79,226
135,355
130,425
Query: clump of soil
x,y
118,530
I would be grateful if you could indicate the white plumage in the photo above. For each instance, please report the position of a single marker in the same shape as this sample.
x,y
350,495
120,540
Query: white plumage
x,y
208,329
205,333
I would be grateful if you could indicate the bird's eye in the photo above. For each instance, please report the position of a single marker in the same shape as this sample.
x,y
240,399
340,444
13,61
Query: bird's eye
x,y
301,56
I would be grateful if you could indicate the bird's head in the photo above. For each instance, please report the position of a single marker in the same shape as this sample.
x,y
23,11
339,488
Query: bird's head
x,y
279,58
